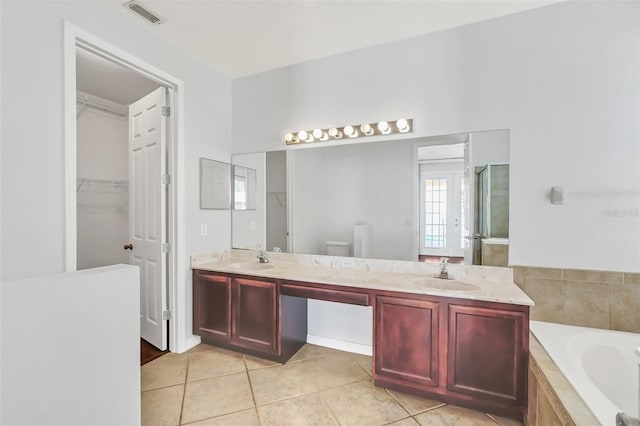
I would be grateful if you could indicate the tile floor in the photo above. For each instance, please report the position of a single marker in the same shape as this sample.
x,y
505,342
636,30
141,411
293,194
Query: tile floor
x,y
209,386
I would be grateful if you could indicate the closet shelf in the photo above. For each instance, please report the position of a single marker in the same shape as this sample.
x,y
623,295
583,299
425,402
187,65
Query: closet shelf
x,y
102,184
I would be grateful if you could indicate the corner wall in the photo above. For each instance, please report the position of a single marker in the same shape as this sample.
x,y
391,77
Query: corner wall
x,y
32,131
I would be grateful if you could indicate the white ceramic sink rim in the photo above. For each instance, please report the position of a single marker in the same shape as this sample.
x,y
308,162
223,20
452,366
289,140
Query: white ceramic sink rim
x,y
442,284
254,266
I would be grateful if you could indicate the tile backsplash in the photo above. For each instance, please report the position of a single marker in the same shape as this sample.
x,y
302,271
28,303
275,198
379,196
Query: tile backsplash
x,y
601,299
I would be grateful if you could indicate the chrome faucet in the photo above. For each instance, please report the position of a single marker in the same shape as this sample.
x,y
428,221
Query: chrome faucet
x,y
444,274
262,257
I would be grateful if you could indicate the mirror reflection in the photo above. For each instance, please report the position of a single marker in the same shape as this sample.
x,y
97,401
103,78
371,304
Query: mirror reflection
x,y
244,188
413,199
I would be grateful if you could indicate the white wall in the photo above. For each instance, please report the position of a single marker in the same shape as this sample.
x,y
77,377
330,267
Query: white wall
x,y
103,212
32,132
563,79
67,358
337,187
249,226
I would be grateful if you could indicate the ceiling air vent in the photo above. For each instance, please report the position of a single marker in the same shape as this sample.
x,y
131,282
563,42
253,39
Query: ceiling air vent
x,y
144,13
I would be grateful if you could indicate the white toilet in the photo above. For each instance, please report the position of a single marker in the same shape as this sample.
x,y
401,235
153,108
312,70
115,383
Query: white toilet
x,y
338,248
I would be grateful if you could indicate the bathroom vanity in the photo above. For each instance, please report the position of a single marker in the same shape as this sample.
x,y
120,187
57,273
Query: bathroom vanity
x,y
463,341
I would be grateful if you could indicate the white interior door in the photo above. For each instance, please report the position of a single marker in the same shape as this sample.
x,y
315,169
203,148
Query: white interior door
x,y
147,213
442,213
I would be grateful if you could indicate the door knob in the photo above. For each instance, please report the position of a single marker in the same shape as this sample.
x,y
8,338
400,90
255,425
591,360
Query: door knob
x,y
128,246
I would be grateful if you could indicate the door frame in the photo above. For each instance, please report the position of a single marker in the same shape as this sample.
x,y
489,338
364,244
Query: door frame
x,y
456,192
176,262
416,187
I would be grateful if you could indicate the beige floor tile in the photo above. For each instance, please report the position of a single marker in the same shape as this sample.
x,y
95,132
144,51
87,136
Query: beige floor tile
x,y
168,370
409,421
241,418
304,410
365,362
503,421
415,404
452,415
203,347
362,403
161,407
281,382
214,397
254,363
205,365
310,351
335,370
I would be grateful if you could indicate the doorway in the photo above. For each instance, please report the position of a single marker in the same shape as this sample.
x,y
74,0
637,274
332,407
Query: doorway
x,y
166,157
121,157
442,202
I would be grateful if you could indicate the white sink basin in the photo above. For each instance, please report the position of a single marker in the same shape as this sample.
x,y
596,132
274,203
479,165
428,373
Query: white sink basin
x,y
251,266
446,285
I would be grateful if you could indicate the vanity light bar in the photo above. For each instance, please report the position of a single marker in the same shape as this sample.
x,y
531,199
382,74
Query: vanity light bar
x,y
402,125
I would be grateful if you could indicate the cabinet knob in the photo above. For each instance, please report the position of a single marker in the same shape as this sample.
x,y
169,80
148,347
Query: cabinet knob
x,y
128,246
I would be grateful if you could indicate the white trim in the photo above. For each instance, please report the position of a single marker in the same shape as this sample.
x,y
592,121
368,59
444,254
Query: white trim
x,y
191,342
340,345
70,166
73,37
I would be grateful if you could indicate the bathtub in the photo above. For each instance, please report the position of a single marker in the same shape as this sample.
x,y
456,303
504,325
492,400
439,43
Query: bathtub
x,y
603,366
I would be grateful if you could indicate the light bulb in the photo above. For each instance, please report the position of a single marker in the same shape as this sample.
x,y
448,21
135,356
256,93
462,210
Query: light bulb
x,y
335,133
366,129
288,137
302,135
320,135
384,128
403,125
350,131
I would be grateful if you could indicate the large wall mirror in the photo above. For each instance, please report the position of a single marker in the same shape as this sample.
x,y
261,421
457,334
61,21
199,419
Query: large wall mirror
x,y
412,199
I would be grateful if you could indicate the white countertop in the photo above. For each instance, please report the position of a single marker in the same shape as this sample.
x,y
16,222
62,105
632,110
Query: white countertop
x,y
485,283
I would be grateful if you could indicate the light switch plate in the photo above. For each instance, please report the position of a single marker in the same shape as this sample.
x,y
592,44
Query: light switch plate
x,y
203,229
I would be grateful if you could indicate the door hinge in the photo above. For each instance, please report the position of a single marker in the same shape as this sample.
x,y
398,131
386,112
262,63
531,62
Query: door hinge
x,y
166,179
166,315
166,111
166,248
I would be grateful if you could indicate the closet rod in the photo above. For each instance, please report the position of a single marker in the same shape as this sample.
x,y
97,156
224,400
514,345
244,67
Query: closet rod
x,y
115,184
89,100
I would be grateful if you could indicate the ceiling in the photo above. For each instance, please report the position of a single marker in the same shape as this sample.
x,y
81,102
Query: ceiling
x,y
238,38
108,80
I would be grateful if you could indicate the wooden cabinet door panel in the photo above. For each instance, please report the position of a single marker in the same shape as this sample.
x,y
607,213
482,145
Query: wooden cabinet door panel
x,y
406,340
254,320
487,357
212,307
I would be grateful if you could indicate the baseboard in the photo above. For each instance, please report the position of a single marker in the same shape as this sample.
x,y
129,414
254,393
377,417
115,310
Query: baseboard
x,y
340,345
191,342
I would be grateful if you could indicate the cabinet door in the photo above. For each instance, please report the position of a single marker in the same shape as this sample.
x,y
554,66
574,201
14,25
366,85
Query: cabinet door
x,y
487,353
406,341
254,318
211,305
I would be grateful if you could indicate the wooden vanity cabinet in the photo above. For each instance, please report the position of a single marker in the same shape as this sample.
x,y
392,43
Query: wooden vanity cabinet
x,y
254,307
488,353
466,352
212,306
247,314
406,341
